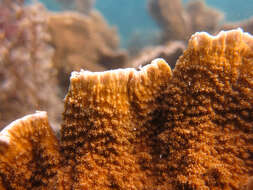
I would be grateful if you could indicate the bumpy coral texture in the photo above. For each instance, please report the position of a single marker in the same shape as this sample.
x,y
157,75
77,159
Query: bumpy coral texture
x,y
209,113
152,129
194,132
29,154
104,118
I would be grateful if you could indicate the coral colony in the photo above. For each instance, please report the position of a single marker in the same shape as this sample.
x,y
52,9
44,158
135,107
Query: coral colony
x,y
184,122
152,128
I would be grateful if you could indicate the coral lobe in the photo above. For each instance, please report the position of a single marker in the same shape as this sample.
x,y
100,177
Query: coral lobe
x,y
101,118
29,154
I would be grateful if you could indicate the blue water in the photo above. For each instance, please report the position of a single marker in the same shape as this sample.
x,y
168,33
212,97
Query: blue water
x,y
130,16
234,9
52,5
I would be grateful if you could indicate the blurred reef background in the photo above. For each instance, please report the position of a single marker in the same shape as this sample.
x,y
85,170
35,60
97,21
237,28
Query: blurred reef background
x,y
42,42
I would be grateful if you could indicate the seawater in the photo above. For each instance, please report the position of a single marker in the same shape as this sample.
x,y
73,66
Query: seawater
x,y
132,16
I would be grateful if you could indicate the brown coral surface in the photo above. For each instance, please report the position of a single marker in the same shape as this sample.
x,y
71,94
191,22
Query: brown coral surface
x,y
150,129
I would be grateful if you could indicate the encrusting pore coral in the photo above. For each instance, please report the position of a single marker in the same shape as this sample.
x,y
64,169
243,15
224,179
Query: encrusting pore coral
x,y
190,128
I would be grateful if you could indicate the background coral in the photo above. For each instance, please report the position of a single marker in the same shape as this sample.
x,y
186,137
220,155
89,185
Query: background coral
x,y
89,43
169,52
179,22
28,80
246,25
172,18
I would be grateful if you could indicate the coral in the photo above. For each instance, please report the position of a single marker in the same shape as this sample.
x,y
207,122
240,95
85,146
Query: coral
x,y
250,183
157,129
192,130
28,81
179,23
32,37
246,25
209,104
172,18
169,52
104,116
203,18
89,43
29,156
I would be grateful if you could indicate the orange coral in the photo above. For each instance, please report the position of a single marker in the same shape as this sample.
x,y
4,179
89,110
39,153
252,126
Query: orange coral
x,y
250,184
209,113
29,154
157,129
104,115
